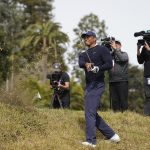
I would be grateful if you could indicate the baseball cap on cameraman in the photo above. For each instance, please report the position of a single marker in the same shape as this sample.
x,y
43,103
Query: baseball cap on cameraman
x,y
88,33
118,42
56,67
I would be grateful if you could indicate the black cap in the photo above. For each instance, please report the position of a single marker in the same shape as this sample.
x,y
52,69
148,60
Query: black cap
x,y
118,42
88,33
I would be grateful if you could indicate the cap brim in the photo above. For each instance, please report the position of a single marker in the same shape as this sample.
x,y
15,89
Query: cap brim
x,y
83,35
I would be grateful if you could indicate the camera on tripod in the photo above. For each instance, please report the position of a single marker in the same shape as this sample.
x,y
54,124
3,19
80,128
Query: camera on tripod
x,y
107,42
55,77
145,37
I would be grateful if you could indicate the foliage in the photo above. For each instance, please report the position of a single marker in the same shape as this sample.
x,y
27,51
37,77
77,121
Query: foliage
x,y
10,26
44,91
105,100
29,20
34,35
46,40
76,96
35,10
5,65
25,93
136,90
89,22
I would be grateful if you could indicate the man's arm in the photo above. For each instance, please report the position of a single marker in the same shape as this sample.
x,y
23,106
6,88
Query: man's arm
x,y
83,64
107,60
65,77
141,56
121,56
81,60
65,86
147,46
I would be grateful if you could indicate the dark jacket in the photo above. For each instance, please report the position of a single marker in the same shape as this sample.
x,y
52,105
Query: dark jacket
x,y
101,57
144,57
119,72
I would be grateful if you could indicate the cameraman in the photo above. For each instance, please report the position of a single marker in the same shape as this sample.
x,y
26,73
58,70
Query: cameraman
x,y
60,82
118,78
143,57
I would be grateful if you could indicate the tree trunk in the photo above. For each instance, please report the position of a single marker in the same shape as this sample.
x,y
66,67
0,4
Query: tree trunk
x,y
7,85
44,61
55,51
12,74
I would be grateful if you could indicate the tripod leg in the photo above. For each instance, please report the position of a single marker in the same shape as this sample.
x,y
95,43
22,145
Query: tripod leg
x,y
60,103
52,101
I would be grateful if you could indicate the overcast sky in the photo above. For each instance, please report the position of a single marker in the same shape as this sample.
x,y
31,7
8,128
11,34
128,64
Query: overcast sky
x,y
122,17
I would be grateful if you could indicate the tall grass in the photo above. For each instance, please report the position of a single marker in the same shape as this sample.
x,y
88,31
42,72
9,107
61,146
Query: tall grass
x,y
48,129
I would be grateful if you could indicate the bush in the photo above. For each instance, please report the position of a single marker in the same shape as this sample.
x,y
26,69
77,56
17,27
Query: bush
x,y
24,93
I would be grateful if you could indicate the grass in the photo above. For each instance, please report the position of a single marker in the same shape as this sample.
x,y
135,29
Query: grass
x,y
49,129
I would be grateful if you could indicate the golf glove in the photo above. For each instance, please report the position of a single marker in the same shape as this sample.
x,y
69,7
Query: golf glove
x,y
95,69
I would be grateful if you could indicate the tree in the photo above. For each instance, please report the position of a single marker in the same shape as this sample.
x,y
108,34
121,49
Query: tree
x,y
46,38
10,26
136,93
89,22
35,10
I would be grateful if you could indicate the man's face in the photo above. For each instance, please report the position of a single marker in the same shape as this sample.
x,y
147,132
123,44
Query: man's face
x,y
89,40
118,46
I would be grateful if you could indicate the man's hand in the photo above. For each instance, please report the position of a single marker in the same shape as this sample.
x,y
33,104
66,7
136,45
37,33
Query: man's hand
x,y
95,69
138,48
147,46
89,66
65,86
113,45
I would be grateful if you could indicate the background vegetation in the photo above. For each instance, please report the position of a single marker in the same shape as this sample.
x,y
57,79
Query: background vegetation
x,y
30,41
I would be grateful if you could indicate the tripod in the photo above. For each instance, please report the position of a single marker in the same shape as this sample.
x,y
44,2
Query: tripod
x,y
56,102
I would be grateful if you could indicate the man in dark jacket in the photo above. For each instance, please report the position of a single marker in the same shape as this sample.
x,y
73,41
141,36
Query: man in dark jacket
x,y
118,78
143,57
95,61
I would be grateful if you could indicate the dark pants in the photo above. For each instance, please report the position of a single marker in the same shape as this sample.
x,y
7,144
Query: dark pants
x,y
93,94
65,99
61,100
119,95
147,98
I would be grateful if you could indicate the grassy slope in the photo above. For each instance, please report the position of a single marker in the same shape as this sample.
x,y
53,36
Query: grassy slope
x,y
28,129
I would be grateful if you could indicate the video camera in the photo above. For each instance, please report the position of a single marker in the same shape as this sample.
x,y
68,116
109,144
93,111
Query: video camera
x,y
54,79
145,35
107,42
